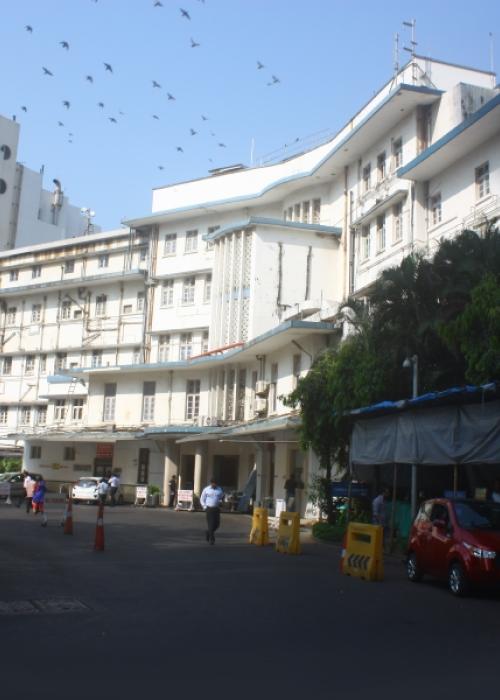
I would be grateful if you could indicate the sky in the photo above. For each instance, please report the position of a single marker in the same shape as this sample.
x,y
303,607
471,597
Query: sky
x,y
327,58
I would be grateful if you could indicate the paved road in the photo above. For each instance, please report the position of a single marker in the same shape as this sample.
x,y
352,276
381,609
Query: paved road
x,y
167,612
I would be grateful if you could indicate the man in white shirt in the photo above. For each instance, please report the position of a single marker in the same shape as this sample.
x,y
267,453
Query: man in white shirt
x,y
102,491
211,498
114,483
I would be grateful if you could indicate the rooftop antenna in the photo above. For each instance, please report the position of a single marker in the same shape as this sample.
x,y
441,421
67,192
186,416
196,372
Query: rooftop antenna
x,y
492,62
252,149
412,24
396,54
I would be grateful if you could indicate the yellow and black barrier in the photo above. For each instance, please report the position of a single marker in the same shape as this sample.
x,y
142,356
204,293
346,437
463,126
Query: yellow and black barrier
x,y
259,534
288,538
363,554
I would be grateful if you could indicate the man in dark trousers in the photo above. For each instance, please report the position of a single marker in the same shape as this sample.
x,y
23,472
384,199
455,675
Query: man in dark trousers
x,y
211,498
172,488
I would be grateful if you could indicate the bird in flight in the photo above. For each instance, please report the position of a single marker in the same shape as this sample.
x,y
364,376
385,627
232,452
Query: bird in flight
x,y
29,28
66,104
65,45
185,13
101,105
274,80
205,119
46,71
194,44
108,67
170,97
155,84
158,4
260,65
25,109
113,120
60,124
180,149
89,78
160,167
155,116
222,145
192,132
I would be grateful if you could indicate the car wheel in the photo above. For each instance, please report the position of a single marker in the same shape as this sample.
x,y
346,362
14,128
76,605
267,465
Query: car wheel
x,y
457,581
413,570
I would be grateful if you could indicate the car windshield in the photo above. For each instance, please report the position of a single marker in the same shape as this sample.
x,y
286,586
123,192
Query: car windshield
x,y
478,516
86,483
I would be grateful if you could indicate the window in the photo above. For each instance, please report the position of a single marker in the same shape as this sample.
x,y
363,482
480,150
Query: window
x,y
60,410
207,292
170,244
191,245
36,452
188,290
140,301
163,348
7,365
136,356
192,399
380,233
43,364
483,180
305,212
4,414
397,218
367,170
29,364
6,150
186,346
13,275
100,305
25,415
127,309
36,271
77,410
316,211
69,267
41,415
397,153
69,454
148,401
210,242
143,254
240,394
77,313
290,213
61,361
103,260
296,368
273,388
66,309
296,212
108,413
167,293
436,210
204,341
381,167
36,313
96,360
365,242
11,315
3,186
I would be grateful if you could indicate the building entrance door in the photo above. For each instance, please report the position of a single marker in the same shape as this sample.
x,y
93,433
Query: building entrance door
x,y
225,471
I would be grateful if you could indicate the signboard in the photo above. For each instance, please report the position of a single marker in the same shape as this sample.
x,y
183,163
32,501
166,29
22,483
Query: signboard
x,y
340,489
185,500
141,492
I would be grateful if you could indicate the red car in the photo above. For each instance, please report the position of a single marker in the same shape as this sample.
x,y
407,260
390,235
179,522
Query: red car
x,y
457,541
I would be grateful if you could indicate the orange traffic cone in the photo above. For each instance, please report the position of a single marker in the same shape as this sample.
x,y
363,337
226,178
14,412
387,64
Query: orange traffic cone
x,y
68,517
99,530
343,552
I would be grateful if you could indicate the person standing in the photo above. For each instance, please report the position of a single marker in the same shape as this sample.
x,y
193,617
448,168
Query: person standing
x,y
378,507
29,487
38,499
102,491
114,483
290,491
211,499
172,488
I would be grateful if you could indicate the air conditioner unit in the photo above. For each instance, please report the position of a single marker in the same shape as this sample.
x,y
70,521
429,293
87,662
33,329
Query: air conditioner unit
x,y
260,405
261,388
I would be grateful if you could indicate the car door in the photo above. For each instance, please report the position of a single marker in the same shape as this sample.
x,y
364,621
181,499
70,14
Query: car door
x,y
421,535
441,540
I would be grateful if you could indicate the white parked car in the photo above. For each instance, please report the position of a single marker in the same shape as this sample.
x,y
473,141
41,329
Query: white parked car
x,y
85,489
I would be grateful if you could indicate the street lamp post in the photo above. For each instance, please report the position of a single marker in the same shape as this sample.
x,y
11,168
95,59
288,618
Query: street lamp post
x,y
413,363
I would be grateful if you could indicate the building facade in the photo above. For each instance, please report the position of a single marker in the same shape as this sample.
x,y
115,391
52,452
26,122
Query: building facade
x,y
174,356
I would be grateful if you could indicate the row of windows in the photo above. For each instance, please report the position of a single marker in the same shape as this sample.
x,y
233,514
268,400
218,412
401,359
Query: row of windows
x,y
186,347
37,415
191,241
381,232
307,212
381,171
187,291
69,453
482,185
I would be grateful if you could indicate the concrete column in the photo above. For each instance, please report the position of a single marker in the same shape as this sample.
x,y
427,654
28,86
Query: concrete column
x,y
172,466
260,466
198,464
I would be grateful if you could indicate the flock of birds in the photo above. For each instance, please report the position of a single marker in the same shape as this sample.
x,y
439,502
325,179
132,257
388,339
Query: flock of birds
x,y
108,68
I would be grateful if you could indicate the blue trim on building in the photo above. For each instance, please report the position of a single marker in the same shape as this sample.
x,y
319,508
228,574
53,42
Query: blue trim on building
x,y
448,137
281,223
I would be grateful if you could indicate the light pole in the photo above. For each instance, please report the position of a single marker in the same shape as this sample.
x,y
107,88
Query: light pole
x,y
413,363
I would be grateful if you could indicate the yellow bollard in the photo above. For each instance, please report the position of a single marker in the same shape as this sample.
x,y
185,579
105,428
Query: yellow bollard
x,y
259,534
364,552
288,539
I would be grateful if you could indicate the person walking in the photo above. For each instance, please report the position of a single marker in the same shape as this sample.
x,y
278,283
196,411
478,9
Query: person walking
x,y
102,491
290,491
38,499
114,484
29,487
172,488
210,500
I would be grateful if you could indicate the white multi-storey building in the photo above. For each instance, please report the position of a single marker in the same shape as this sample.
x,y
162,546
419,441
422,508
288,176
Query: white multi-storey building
x,y
30,214
224,295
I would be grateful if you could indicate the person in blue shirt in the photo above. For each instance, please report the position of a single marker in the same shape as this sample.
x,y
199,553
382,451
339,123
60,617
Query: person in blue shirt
x,y
211,499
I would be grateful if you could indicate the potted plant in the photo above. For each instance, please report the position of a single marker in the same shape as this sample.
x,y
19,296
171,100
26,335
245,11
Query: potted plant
x,y
153,496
